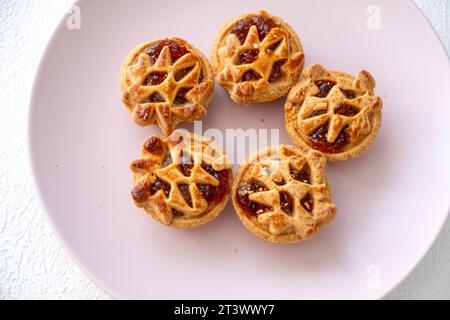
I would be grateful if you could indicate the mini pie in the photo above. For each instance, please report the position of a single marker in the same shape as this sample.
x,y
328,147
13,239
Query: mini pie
x,y
333,112
281,194
257,57
182,181
166,82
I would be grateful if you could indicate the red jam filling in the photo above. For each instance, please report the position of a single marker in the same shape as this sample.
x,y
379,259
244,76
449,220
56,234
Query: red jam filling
x,y
186,168
250,75
303,175
184,189
160,185
213,194
156,98
179,75
177,213
276,72
319,140
349,94
286,203
280,183
244,190
155,78
176,50
346,110
274,46
263,23
248,56
180,98
324,87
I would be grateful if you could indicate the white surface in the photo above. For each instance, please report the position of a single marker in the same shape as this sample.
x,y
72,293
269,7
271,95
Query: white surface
x,y
79,138
32,263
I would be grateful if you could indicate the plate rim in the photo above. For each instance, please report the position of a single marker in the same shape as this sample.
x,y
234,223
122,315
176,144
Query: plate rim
x,y
31,110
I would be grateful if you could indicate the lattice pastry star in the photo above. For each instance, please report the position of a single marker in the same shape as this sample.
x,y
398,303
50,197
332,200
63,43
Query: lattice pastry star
x,y
257,58
281,194
166,82
183,181
333,112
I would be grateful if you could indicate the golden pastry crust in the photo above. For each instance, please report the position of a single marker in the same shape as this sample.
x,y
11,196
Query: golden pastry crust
x,y
281,194
256,65
166,82
182,181
333,112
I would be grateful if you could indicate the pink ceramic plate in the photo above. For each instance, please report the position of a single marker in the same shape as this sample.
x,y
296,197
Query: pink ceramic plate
x,y
392,201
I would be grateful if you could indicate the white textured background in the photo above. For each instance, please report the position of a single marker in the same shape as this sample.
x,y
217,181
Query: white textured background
x,y
33,264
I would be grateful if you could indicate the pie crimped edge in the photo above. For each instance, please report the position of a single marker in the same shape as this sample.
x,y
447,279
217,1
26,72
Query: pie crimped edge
x,y
155,164
227,46
137,66
302,224
364,126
